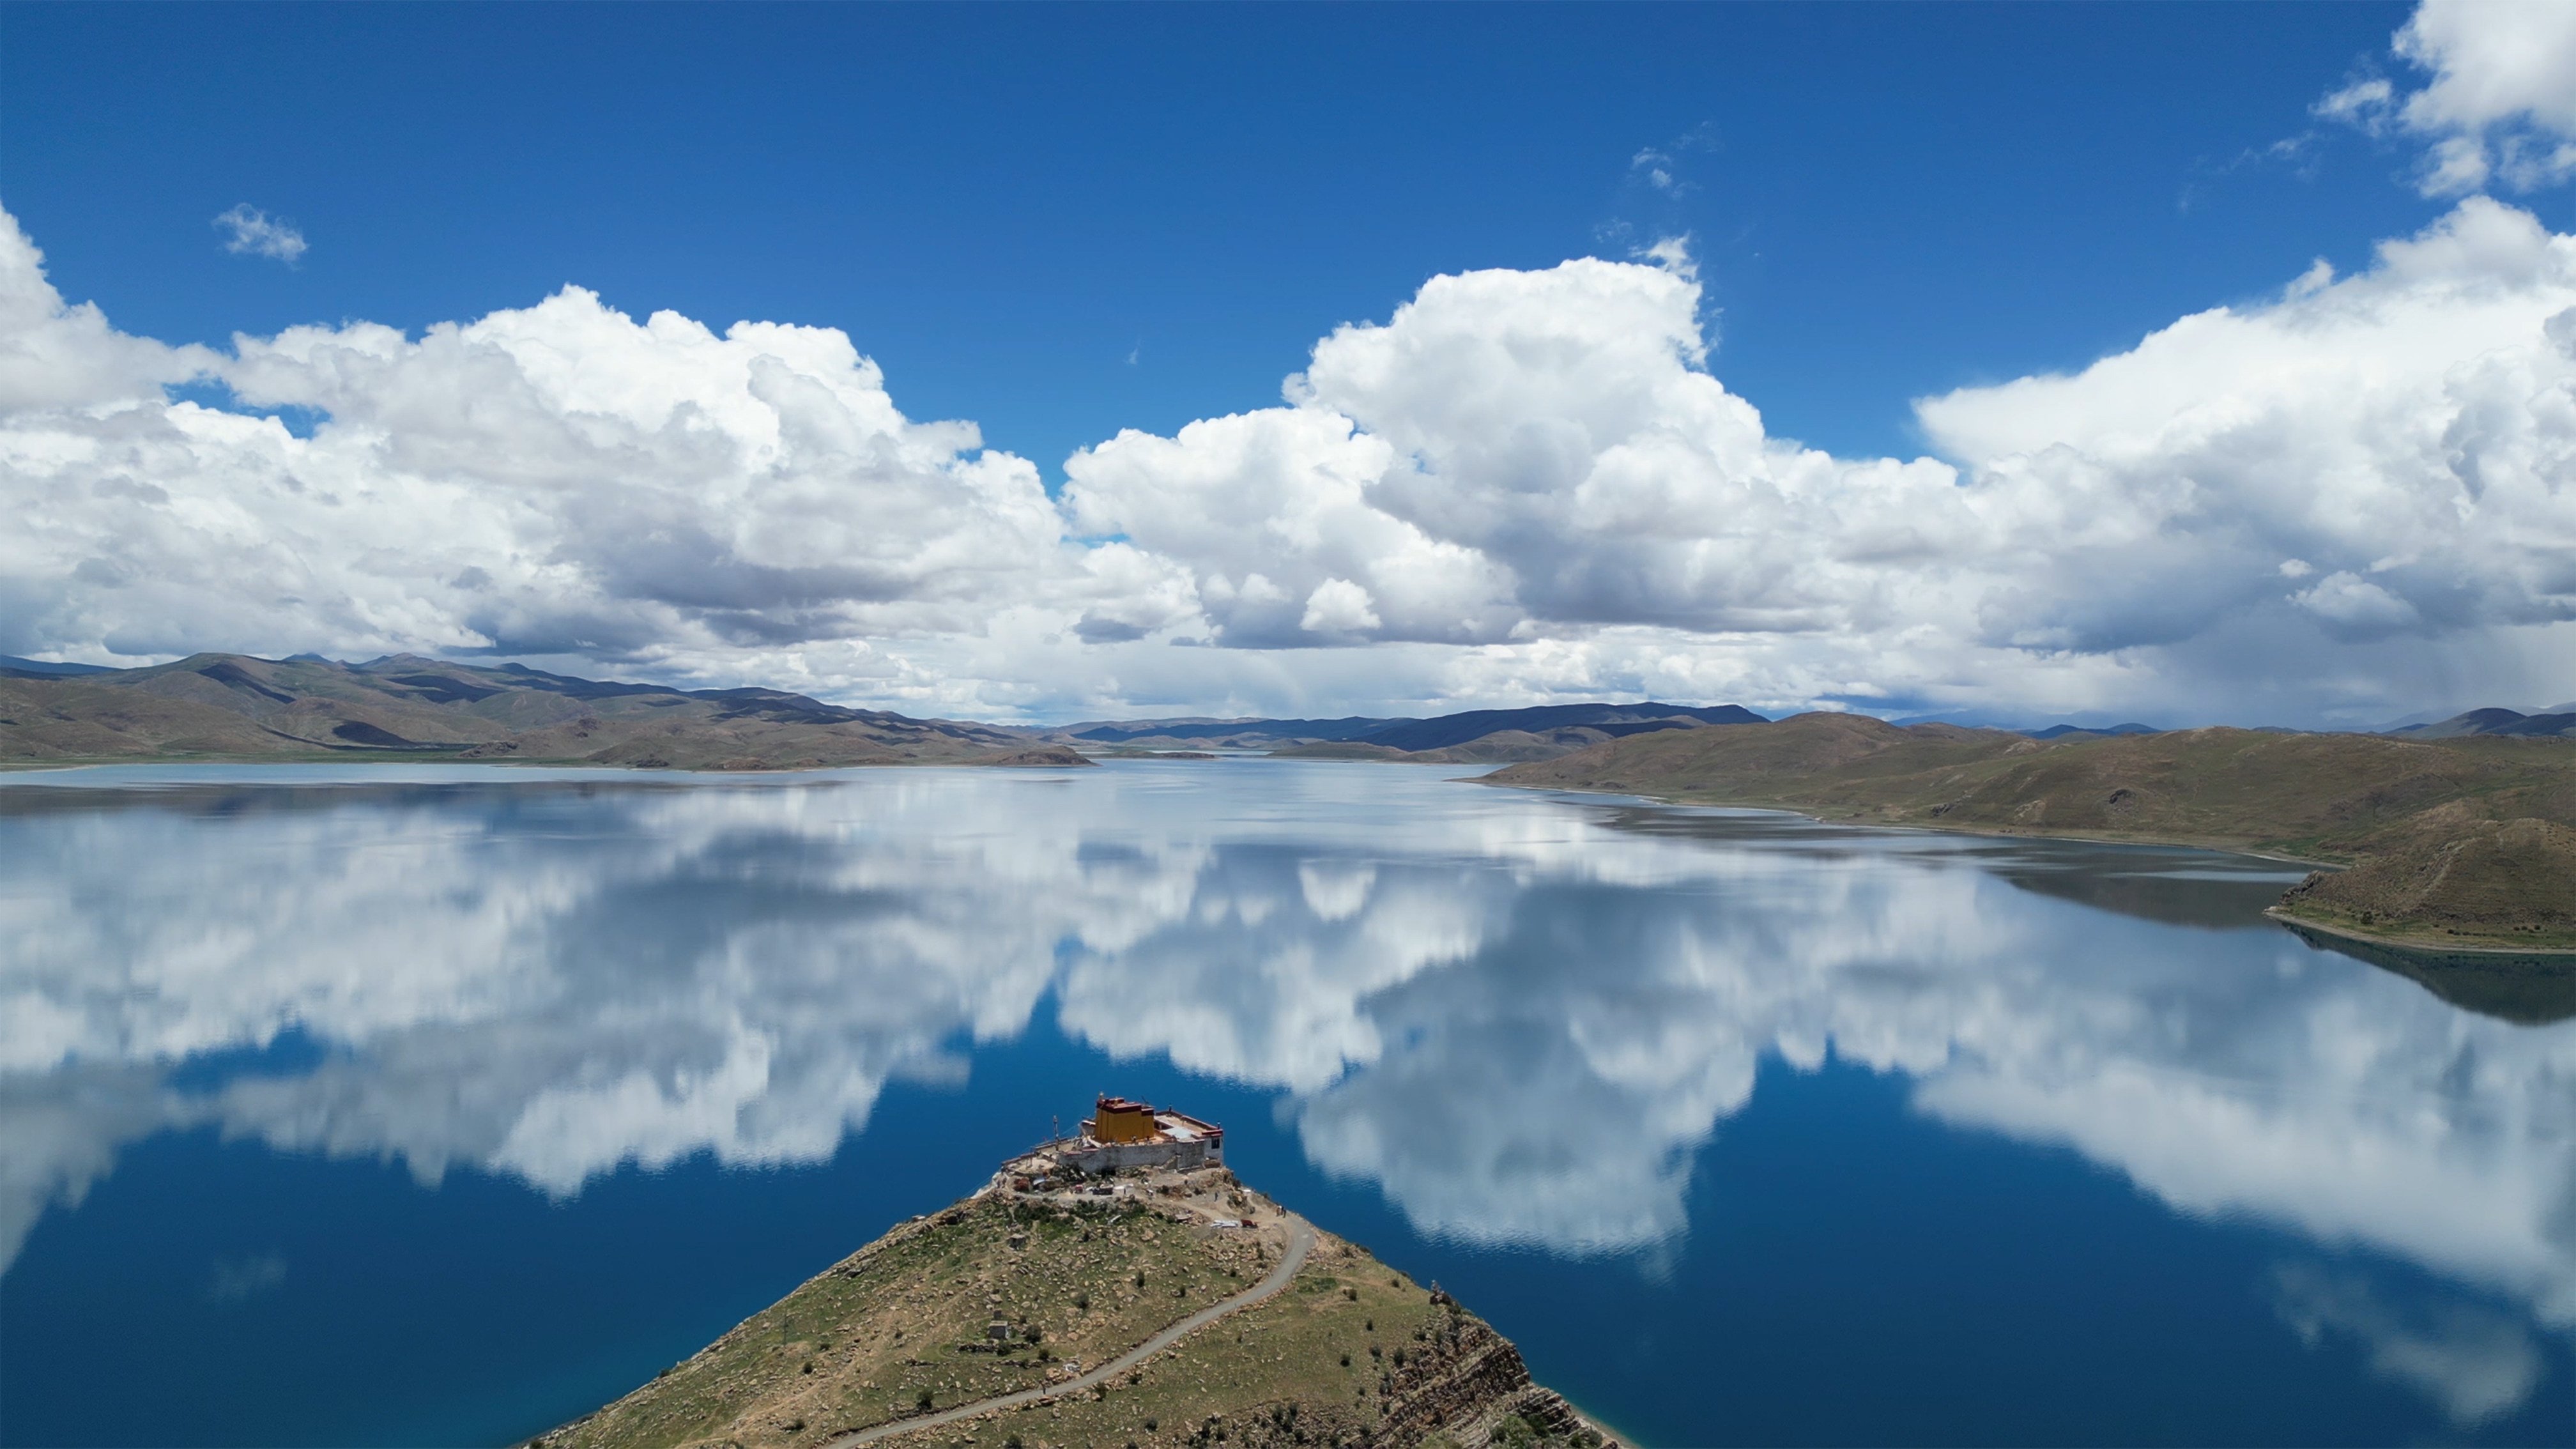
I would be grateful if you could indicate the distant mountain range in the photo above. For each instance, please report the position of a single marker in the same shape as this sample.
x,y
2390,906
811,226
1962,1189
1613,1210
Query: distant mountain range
x,y
2059,732
1246,734
1472,736
2559,723
233,706
13,667
236,706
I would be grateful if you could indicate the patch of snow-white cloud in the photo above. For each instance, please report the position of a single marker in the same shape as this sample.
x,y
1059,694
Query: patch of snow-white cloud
x,y
249,231
2499,100
55,356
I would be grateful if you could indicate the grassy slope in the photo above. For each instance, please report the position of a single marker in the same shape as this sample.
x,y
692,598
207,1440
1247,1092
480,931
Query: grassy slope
x,y
859,1344
881,1328
2458,841
235,707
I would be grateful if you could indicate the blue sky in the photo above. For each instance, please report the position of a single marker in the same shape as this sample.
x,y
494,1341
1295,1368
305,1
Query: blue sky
x,y
1059,222
1001,204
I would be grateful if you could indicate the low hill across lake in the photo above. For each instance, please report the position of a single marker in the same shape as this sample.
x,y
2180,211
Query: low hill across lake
x,y
1489,736
2455,842
2557,723
1177,1310
235,707
1483,736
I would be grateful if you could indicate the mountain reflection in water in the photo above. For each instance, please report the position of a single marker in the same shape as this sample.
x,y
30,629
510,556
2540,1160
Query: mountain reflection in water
x,y
1449,989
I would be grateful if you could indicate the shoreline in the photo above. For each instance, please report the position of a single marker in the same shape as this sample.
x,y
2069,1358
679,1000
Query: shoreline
x,y
371,760
2213,846
2423,946
2412,946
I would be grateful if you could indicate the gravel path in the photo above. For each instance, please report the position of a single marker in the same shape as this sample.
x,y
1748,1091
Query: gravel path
x,y
1301,1237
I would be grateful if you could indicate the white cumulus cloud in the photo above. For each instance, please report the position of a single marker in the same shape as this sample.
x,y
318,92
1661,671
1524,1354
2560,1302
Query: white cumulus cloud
x,y
1523,458
1521,485
249,231
2499,103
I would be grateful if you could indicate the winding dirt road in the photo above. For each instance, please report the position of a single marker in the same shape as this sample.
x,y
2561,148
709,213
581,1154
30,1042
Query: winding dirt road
x,y
1301,1238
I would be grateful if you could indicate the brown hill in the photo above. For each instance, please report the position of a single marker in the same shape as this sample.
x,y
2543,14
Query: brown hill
x,y
230,706
2461,841
1171,1311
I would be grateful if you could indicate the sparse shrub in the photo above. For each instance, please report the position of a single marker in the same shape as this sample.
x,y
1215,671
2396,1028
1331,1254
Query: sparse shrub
x,y
1012,1442
1152,1425
1140,1277
1082,1302
1353,1294
1346,1360
1369,1324
922,1400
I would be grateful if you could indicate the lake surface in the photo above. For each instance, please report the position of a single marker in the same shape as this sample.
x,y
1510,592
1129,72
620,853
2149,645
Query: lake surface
x,y
437,1105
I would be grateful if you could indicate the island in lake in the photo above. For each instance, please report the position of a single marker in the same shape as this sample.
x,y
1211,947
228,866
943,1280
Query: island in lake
x,y
1120,1286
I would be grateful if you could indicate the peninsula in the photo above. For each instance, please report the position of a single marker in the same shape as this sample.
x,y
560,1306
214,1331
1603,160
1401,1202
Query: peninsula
x,y
2447,845
1119,1287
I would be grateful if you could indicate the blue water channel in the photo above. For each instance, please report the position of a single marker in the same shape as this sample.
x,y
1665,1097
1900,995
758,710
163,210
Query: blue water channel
x,y
435,1106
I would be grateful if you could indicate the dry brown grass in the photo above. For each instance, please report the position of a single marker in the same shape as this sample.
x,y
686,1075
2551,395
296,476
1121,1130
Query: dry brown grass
x,y
2430,824
1349,1351
859,1344
216,706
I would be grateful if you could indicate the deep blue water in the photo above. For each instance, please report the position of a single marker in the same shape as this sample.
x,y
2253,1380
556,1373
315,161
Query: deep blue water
x,y
437,1106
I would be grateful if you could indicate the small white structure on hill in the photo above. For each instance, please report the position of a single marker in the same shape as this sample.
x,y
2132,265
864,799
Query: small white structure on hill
x,y
1121,1133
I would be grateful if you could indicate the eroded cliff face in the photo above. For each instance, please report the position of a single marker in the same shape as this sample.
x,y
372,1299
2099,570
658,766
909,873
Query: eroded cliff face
x,y
1013,1294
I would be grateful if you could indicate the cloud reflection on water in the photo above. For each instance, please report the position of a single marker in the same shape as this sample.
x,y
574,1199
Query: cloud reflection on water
x,y
1451,987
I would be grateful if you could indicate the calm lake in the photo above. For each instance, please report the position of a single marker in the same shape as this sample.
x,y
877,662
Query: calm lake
x,y
434,1106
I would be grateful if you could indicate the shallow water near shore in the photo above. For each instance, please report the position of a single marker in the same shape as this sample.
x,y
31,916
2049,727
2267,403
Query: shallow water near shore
x,y
436,1105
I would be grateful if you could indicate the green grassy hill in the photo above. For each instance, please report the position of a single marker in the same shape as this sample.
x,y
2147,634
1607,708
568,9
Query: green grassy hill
x,y
2453,842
